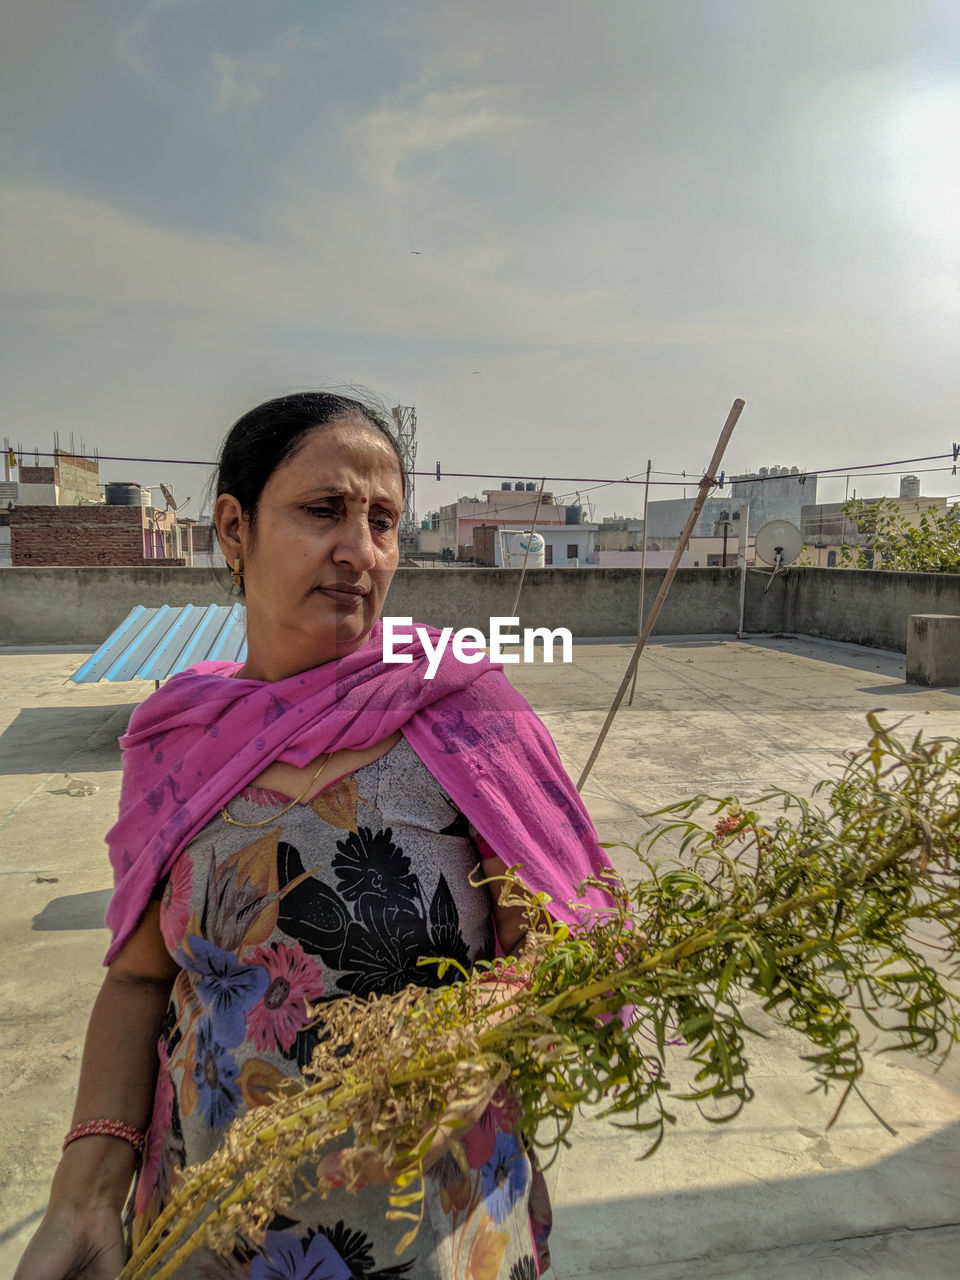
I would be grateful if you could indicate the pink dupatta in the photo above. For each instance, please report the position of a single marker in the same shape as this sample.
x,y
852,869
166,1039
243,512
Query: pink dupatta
x,y
199,739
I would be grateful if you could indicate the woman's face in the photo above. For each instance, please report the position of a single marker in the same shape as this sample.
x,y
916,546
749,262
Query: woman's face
x,y
322,551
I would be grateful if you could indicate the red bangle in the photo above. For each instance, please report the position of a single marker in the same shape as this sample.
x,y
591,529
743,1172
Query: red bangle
x,y
111,1129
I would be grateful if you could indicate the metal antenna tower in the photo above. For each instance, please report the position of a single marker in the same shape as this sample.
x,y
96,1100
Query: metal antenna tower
x,y
405,416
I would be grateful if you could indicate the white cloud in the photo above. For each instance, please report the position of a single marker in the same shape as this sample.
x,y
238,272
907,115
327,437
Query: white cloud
x,y
239,82
129,41
76,251
391,137
243,81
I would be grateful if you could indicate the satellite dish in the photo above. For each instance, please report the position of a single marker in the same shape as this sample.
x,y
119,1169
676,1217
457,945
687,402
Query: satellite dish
x,y
778,543
168,498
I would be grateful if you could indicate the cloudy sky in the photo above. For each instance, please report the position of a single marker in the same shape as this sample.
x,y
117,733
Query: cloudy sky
x,y
625,212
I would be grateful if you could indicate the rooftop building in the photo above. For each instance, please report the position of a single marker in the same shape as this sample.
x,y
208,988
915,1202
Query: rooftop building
x,y
69,480
513,505
772,493
63,515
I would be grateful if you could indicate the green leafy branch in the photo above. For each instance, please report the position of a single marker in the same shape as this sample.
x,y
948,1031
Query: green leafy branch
x,y
809,906
891,541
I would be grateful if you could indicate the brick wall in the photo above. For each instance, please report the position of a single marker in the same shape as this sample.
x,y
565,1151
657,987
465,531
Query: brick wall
x,y
90,465
79,536
78,478
38,475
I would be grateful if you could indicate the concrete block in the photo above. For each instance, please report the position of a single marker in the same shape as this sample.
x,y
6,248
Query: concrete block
x,y
933,649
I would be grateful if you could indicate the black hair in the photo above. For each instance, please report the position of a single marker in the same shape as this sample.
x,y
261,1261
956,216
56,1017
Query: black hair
x,y
273,432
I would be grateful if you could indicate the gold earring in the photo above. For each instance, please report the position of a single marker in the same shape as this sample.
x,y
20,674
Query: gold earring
x,y
237,573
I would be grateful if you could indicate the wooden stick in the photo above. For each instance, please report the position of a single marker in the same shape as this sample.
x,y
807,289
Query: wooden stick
x,y
706,484
526,554
643,573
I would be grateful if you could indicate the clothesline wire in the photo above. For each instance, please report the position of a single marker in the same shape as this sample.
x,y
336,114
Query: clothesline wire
x,y
866,468
821,471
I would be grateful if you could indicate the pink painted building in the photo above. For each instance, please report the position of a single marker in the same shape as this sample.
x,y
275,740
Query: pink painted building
x,y
512,507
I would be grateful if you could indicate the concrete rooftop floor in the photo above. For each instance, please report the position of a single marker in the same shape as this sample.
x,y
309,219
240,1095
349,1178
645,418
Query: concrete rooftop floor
x,y
773,1193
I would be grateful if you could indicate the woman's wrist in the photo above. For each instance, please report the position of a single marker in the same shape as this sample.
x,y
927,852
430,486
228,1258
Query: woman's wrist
x,y
94,1170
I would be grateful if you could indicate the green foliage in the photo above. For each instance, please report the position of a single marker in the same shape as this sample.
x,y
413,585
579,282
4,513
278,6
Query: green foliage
x,y
931,546
809,907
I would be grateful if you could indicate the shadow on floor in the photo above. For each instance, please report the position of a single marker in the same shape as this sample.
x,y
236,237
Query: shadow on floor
x,y
64,739
836,653
74,911
691,1232
690,642
893,690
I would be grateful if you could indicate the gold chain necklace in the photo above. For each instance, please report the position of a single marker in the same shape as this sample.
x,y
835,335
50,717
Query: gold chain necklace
x,y
273,816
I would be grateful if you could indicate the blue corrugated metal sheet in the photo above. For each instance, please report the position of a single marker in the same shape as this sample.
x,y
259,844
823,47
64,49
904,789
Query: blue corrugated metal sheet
x,y
151,644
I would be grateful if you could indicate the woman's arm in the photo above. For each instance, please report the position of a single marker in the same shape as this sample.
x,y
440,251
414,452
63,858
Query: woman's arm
x,y
512,918
81,1235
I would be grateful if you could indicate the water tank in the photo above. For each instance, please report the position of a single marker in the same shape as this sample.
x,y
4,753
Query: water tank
x,y
909,486
518,487
518,549
794,471
123,495
531,487
574,515
505,485
763,473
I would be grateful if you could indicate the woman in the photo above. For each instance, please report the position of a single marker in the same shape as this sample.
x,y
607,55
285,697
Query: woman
x,y
299,827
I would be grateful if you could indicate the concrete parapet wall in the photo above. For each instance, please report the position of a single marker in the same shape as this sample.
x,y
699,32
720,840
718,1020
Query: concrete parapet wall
x,y
589,602
870,606
83,605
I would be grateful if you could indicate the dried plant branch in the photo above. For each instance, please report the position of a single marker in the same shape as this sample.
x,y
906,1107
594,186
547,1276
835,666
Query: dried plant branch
x,y
813,910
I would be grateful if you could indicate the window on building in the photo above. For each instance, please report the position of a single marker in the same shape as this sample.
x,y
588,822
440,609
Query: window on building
x,y
736,515
572,551
548,554
831,559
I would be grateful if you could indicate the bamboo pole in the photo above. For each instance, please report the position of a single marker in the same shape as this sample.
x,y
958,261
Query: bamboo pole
x,y
643,573
526,554
742,547
706,484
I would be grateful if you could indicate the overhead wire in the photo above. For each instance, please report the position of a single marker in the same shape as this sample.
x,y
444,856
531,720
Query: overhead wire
x,y
638,478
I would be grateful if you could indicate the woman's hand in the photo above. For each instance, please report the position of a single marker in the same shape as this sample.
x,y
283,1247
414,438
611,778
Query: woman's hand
x,y
75,1243
81,1235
